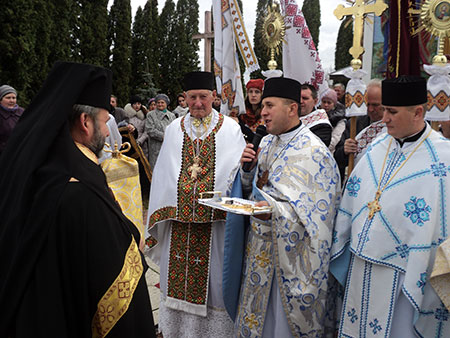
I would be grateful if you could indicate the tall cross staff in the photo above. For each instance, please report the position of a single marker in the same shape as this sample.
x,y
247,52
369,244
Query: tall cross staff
x,y
359,9
208,35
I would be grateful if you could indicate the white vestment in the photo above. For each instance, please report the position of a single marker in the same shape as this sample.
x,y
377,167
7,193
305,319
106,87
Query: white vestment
x,y
190,236
385,261
284,286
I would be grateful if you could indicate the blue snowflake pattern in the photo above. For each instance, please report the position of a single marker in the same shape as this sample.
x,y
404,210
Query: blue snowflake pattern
x,y
374,325
417,210
353,186
441,314
439,170
352,315
403,250
422,281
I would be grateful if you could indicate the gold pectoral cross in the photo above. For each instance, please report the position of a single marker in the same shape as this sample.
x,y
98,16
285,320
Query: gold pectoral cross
x,y
374,206
195,168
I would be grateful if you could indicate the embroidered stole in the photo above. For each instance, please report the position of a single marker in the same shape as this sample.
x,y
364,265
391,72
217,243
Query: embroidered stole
x,y
190,241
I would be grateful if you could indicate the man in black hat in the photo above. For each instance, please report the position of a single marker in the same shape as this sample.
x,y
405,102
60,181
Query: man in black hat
x,y
391,220
198,154
70,261
284,285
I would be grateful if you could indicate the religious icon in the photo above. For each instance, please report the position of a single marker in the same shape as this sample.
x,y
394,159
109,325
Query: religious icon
x,y
442,11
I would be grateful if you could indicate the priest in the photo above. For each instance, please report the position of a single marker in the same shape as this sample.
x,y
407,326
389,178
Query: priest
x,y
285,279
199,152
69,257
392,218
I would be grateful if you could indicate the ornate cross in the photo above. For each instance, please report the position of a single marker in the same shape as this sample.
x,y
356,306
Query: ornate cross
x,y
374,206
195,168
358,10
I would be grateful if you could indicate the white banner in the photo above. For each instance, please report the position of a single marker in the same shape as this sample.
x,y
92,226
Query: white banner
x,y
300,58
228,30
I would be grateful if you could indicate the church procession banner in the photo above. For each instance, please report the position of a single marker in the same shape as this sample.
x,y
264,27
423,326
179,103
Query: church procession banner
x,y
300,58
229,30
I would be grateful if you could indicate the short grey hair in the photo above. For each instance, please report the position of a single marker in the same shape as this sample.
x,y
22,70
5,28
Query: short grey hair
x,y
78,109
341,85
374,83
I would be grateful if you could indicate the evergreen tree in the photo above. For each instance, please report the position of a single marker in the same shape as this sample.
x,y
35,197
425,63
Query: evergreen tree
x,y
344,42
93,29
261,51
186,48
120,35
138,57
152,39
148,88
169,54
311,12
60,42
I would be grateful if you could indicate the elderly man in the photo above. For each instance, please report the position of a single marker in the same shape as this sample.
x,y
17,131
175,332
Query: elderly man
x,y
198,154
367,128
70,261
315,119
392,218
339,88
284,284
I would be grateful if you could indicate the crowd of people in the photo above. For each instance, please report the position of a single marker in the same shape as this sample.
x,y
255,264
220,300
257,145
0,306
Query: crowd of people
x,y
317,252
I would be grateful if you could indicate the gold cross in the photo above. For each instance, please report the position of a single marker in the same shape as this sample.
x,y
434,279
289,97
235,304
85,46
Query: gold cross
x,y
374,206
358,10
195,168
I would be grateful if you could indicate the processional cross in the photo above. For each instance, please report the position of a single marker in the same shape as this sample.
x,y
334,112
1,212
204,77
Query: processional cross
x,y
208,35
359,9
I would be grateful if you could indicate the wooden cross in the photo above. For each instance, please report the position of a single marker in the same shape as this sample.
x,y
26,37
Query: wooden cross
x,y
374,206
208,35
358,10
195,168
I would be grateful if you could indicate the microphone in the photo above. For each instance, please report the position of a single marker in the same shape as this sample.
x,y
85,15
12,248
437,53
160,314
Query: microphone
x,y
259,134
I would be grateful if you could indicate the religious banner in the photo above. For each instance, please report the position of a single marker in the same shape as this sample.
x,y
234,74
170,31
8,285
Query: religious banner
x,y
300,58
229,30
403,52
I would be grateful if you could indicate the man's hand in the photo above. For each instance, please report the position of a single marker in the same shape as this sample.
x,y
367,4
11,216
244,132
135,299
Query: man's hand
x,y
350,146
249,155
263,217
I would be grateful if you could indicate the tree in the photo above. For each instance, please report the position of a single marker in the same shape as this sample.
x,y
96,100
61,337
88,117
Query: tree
x,y
93,30
138,57
148,88
120,35
169,53
152,39
311,12
344,41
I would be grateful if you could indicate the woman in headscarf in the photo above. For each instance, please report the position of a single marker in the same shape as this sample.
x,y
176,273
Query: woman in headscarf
x,y
252,118
155,124
336,114
10,113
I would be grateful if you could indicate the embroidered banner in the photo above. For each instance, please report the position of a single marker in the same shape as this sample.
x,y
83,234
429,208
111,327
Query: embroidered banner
x,y
229,30
300,46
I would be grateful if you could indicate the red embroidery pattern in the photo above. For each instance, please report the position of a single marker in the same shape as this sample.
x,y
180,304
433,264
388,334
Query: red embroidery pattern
x,y
366,137
314,117
189,262
440,101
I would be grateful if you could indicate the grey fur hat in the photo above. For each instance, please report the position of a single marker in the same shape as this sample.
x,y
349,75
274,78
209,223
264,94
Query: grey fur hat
x,y
5,89
162,97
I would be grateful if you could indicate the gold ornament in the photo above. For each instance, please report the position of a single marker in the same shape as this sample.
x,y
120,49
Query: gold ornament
x,y
435,19
273,33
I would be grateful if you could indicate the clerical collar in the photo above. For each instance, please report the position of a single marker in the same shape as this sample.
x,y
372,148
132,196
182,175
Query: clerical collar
x,y
87,152
412,138
292,129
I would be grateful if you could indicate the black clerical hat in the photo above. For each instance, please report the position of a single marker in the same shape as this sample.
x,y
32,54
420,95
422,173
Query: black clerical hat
x,y
404,91
282,87
198,80
97,92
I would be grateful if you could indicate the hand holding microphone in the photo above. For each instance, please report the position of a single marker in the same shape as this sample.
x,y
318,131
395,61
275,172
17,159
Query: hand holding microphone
x,y
248,158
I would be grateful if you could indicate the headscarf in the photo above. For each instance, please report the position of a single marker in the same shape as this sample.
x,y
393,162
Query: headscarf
x,y
5,90
331,95
255,83
163,97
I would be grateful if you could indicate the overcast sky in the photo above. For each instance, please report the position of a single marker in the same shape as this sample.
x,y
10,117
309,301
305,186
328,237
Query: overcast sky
x,y
328,29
